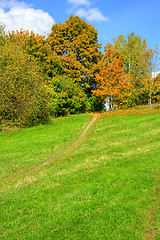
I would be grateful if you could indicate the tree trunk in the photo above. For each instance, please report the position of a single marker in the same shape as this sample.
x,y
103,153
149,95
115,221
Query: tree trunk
x,y
149,102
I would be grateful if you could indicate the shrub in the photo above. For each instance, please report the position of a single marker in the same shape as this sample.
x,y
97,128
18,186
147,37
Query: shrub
x,y
23,99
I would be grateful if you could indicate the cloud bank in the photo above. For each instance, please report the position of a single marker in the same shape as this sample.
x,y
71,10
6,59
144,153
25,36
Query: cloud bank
x,y
18,15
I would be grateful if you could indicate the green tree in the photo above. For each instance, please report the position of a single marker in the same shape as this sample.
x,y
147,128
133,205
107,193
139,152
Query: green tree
x,y
70,97
23,100
138,61
150,84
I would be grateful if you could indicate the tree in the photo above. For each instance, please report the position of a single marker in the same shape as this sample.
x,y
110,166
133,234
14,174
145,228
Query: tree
x,y
65,96
23,94
156,94
150,85
37,46
112,81
70,96
138,61
75,43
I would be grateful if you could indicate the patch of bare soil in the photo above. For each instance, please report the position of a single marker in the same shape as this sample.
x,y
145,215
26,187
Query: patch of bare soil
x,y
96,115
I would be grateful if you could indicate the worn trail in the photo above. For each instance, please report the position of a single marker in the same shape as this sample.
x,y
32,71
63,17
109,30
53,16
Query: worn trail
x,y
95,116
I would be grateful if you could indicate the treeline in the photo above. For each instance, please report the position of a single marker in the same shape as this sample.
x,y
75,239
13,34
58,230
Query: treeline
x,y
67,73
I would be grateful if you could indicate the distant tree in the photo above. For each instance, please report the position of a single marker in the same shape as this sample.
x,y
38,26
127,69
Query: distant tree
x,y
156,94
23,100
150,85
76,45
138,61
112,81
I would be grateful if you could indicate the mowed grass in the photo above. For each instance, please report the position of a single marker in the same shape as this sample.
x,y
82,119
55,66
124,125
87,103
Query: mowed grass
x,y
107,188
32,146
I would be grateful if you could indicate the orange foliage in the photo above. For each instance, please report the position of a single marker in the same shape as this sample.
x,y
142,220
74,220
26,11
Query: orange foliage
x,y
37,46
75,43
112,82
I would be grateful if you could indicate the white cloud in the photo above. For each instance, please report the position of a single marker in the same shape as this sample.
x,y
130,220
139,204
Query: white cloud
x,y
154,74
18,15
11,3
79,2
92,14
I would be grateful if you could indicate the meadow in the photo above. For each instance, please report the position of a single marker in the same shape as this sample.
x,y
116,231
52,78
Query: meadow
x,y
105,188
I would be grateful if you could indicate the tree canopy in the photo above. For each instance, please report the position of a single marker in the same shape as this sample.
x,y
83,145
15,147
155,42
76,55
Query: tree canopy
x,y
138,61
76,45
67,73
112,81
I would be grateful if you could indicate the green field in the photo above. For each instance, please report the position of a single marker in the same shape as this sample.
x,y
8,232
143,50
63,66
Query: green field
x,y
105,188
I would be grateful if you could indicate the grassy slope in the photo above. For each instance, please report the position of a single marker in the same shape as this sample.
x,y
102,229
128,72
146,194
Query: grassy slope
x,y
106,189
33,146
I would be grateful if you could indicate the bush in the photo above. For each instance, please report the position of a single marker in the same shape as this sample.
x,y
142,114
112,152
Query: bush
x,y
23,94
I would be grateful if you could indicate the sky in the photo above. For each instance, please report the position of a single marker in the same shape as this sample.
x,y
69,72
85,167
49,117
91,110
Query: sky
x,y
110,18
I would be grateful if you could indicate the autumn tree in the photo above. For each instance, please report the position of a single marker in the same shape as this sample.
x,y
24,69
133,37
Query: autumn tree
x,y
151,87
37,46
113,83
156,84
65,96
75,43
138,61
23,100
71,49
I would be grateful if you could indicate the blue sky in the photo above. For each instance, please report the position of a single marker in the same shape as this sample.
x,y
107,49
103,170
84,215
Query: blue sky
x,y
110,18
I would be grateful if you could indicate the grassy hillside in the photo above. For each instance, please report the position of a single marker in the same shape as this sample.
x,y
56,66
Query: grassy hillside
x,y
107,188
32,146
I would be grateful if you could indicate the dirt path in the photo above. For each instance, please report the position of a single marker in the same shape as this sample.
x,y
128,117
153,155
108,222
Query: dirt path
x,y
78,141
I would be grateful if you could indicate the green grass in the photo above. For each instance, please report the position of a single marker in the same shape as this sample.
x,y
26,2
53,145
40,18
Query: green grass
x,y
33,146
107,188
